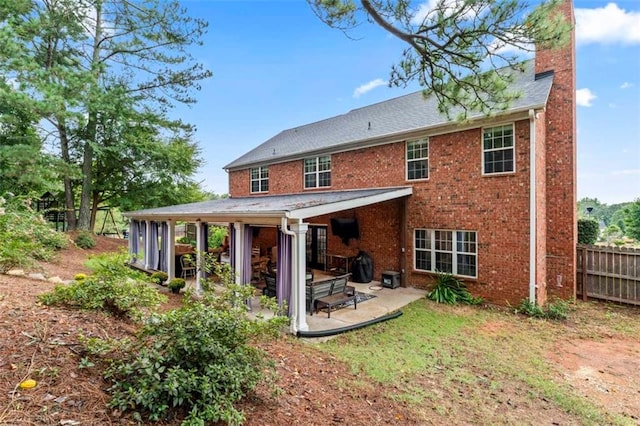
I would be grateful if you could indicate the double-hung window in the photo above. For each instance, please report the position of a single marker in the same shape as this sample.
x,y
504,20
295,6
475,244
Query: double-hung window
x,y
317,172
454,252
498,149
260,179
418,159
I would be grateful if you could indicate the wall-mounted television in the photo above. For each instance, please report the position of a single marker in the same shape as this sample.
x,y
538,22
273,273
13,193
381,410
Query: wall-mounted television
x,y
345,228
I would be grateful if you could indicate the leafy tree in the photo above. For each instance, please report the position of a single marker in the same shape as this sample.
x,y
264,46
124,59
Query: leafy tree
x,y
77,61
588,231
632,220
451,43
24,168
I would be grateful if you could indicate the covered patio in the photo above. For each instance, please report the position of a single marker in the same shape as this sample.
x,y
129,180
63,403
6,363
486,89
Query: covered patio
x,y
152,230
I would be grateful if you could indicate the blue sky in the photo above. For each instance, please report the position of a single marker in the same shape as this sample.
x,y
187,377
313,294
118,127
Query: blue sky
x,y
276,66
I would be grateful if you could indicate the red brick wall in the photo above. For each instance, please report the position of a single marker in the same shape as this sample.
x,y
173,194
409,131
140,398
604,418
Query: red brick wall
x,y
457,197
561,165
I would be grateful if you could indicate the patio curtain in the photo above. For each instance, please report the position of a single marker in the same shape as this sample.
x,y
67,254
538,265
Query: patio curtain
x,y
154,255
232,247
204,245
143,233
164,245
246,254
134,237
283,282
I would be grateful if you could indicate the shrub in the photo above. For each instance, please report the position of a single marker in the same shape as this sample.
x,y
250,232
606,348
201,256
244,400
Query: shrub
x,y
556,310
451,290
186,240
26,237
588,230
109,289
159,277
195,361
216,235
85,240
176,284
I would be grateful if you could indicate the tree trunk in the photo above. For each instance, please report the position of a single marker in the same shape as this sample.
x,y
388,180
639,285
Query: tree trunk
x,y
84,218
69,202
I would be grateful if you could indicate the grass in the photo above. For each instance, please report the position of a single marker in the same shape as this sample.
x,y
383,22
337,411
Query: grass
x,y
472,356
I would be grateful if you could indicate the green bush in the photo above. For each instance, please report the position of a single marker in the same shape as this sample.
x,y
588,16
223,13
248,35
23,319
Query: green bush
x,y
216,236
25,236
588,231
186,240
85,240
196,361
159,277
556,310
176,284
110,288
451,290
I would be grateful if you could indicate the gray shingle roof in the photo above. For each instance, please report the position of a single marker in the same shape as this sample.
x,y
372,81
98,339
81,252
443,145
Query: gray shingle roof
x,y
270,205
395,116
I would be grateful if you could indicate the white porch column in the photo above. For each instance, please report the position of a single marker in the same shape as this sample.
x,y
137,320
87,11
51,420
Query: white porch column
x,y
199,257
171,249
298,275
147,245
238,249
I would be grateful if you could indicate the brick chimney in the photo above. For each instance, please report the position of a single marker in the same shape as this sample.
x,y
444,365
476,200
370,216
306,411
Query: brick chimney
x,y
560,164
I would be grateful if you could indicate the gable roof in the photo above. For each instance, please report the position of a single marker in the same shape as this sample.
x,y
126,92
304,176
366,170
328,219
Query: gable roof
x,y
271,208
392,117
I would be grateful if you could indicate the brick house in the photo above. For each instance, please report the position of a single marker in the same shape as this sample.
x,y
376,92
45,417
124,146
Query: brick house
x,y
491,200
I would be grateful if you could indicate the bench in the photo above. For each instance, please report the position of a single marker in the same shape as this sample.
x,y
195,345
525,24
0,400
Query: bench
x,y
331,286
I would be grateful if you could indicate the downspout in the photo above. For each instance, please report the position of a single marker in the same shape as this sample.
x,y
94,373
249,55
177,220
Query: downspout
x,y
294,263
532,207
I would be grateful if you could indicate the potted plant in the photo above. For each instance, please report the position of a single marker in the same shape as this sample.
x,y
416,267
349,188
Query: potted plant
x,y
159,277
176,284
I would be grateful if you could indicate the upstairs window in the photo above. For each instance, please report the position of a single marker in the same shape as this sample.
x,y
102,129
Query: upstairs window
x,y
317,172
418,159
498,150
260,179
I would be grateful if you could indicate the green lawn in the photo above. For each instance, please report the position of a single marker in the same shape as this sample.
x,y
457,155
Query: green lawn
x,y
448,359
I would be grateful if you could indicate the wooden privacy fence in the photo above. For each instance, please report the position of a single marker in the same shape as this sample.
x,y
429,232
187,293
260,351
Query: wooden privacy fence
x,y
609,273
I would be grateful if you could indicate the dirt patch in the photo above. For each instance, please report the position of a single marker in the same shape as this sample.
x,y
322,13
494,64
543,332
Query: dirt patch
x,y
606,371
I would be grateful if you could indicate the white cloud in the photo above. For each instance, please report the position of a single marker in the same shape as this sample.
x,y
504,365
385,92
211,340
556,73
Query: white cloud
x,y
584,97
367,87
626,85
608,24
448,6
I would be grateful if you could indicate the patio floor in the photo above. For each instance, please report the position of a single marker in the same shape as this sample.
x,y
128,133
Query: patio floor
x,y
387,301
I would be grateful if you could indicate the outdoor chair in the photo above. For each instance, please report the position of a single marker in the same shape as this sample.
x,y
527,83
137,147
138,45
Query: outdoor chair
x,y
270,285
188,266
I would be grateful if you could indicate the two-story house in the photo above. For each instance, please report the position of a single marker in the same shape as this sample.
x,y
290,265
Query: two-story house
x,y
491,200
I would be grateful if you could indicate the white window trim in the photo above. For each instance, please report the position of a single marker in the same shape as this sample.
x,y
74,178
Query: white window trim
x,y
482,150
406,159
316,172
260,179
432,244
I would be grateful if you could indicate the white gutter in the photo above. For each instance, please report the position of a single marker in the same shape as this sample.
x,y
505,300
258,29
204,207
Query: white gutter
x,y
532,206
295,311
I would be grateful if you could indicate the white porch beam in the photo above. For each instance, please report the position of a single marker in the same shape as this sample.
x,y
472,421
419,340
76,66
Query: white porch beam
x,y
238,249
199,257
298,275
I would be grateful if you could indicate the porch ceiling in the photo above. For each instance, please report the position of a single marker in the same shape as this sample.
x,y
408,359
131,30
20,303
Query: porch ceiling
x,y
270,209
